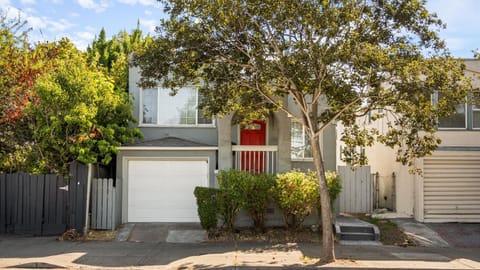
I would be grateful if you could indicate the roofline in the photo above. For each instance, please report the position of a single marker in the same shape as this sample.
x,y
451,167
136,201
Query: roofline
x,y
168,148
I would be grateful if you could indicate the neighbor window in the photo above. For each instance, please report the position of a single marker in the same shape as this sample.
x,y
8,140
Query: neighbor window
x,y
300,142
458,120
160,108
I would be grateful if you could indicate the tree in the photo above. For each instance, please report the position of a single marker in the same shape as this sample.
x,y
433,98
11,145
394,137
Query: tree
x,y
20,67
79,115
338,59
112,55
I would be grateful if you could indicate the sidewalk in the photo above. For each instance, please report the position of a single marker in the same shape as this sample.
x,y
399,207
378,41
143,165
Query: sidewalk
x,y
15,251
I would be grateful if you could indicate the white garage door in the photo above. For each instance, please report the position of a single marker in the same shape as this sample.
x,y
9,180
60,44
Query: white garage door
x,y
452,187
162,190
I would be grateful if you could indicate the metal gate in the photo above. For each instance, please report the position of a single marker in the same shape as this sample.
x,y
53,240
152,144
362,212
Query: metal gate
x,y
357,189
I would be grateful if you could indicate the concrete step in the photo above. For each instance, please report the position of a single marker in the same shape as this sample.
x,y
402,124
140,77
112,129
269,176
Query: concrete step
x,y
357,229
357,236
353,229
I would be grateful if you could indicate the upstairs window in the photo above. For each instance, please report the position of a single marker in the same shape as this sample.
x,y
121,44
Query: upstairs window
x,y
159,108
301,147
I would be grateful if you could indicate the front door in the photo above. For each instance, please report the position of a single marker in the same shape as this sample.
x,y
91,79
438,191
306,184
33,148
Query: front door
x,y
253,134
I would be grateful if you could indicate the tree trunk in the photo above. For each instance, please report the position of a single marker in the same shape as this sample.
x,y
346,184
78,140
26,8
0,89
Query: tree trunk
x,y
328,254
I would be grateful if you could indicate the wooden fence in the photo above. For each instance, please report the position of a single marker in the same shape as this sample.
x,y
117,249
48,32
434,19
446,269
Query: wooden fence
x,y
103,204
43,204
357,190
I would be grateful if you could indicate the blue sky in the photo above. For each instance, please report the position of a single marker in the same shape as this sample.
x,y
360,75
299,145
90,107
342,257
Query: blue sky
x,y
81,20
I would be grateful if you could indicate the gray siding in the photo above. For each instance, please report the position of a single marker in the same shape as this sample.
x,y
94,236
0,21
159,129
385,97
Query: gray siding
x,y
206,135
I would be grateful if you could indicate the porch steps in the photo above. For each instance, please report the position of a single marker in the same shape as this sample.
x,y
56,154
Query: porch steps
x,y
350,230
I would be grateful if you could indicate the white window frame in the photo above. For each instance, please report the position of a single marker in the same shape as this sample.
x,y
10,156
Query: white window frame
x,y
472,113
140,112
304,140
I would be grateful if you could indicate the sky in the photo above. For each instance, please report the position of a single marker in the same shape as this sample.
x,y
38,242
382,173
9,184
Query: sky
x,y
81,20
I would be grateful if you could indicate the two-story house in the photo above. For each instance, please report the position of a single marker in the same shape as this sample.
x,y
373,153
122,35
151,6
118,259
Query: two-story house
x,y
448,190
182,149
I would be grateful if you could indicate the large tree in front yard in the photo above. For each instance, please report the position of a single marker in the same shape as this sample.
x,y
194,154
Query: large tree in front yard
x,y
338,59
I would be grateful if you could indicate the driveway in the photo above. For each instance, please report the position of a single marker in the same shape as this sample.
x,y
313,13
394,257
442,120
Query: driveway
x,y
460,235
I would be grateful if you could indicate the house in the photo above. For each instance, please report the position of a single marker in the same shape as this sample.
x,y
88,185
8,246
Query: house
x,y
449,188
182,149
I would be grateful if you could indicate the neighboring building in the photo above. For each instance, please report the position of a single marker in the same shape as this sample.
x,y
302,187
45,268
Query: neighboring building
x,y
182,149
449,189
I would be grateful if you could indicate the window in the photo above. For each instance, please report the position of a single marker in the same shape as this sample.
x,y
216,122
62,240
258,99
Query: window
x,y
159,108
466,116
300,143
476,110
456,120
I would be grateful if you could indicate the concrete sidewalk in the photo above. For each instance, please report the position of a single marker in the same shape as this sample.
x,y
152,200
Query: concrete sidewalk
x,y
31,251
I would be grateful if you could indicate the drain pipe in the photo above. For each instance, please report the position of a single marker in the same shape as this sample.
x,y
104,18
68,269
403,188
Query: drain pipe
x,y
87,203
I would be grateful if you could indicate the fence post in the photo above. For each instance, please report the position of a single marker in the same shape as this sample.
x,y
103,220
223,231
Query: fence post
x,y
377,189
87,199
394,193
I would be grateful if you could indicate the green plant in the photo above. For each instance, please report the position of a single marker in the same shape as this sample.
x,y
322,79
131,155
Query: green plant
x,y
296,194
230,198
207,206
256,195
334,184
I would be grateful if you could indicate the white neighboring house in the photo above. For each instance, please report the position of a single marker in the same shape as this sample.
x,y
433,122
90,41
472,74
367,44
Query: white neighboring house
x,y
449,189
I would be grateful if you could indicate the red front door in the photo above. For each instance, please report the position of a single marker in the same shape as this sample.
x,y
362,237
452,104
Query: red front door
x,y
254,134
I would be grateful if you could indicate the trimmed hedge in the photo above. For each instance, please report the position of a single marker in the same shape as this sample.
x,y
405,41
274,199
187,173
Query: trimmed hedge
x,y
296,194
207,206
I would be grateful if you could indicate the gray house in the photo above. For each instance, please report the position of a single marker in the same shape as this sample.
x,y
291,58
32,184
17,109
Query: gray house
x,y
182,149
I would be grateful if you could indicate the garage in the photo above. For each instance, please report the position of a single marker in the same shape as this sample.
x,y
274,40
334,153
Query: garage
x,y
451,188
161,190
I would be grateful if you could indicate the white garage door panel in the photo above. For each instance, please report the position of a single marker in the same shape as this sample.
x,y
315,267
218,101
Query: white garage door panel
x,y
451,188
162,190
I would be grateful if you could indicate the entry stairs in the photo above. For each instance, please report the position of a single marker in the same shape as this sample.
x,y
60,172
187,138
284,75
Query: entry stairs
x,y
350,230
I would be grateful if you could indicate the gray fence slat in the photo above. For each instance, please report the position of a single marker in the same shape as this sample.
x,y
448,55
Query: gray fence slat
x,y
93,220
110,203
104,202
103,198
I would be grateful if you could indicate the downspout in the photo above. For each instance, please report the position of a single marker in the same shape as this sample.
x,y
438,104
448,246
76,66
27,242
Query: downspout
x,y
87,203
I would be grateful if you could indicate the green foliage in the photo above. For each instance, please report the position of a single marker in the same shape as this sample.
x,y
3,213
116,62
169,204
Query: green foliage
x,y
230,196
20,67
207,206
334,184
296,194
257,193
56,108
112,55
79,115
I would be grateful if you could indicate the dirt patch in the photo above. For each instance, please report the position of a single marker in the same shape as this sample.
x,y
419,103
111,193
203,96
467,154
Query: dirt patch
x,y
99,235
92,235
270,235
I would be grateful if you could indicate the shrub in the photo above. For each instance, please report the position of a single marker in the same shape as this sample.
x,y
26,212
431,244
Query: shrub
x,y
207,206
334,185
296,194
230,198
257,194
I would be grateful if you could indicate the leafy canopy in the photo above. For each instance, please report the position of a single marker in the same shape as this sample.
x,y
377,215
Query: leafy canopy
x,y
56,108
338,59
358,55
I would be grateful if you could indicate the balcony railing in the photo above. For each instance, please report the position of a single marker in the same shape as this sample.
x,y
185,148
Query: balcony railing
x,y
255,158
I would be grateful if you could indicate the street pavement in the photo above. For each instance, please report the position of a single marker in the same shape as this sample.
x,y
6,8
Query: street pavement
x,y
31,252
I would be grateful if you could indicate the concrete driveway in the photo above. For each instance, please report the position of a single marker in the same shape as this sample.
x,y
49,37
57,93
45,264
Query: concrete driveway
x,y
461,235
153,232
